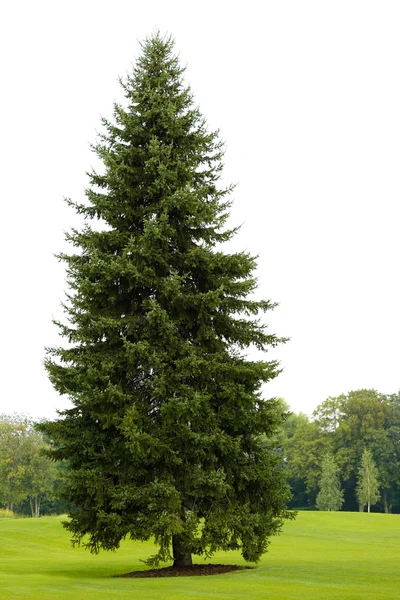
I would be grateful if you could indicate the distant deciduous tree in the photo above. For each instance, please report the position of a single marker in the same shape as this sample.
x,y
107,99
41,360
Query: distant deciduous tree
x,y
14,449
330,496
303,448
367,484
40,474
25,473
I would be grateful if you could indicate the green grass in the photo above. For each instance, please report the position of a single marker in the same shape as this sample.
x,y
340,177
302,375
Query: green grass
x,y
319,556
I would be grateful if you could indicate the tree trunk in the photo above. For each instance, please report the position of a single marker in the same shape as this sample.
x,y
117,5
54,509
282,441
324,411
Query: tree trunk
x,y
31,505
361,507
369,507
181,554
385,502
37,507
10,504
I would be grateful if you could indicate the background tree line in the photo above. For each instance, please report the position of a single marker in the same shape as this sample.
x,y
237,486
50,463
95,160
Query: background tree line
x,y
325,457
29,481
342,429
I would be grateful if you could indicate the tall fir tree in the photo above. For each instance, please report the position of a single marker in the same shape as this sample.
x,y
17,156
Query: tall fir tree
x,y
367,484
330,496
166,435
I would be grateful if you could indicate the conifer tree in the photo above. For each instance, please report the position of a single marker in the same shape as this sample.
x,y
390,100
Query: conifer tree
x,y
367,485
330,496
165,438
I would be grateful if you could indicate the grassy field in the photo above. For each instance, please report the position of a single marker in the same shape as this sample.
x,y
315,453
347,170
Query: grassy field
x,y
319,556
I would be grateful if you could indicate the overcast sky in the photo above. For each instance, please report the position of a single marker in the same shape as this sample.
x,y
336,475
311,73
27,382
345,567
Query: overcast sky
x,y
306,96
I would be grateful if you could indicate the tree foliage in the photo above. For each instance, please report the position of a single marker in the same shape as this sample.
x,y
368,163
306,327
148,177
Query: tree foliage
x,y
330,496
14,449
344,426
166,437
25,473
367,483
303,448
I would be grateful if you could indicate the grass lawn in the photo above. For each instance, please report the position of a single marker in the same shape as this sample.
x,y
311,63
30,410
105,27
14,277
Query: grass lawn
x,y
318,556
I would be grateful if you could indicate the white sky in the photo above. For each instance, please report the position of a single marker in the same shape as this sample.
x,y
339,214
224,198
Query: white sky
x,y
307,97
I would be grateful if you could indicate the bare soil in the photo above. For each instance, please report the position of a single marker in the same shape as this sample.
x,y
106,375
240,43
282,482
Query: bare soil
x,y
186,571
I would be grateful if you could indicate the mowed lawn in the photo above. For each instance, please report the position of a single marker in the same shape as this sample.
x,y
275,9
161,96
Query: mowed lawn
x,y
318,556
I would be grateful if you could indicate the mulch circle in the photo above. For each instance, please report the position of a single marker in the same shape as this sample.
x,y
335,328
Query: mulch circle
x,y
186,571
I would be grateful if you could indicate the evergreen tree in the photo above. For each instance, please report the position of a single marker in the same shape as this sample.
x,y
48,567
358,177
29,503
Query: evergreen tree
x,y
330,496
166,437
367,484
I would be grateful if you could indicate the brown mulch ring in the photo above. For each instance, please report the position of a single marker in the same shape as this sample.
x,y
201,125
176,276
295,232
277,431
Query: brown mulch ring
x,y
186,571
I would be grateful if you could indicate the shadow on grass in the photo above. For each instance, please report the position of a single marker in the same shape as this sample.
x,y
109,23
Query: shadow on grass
x,y
127,571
